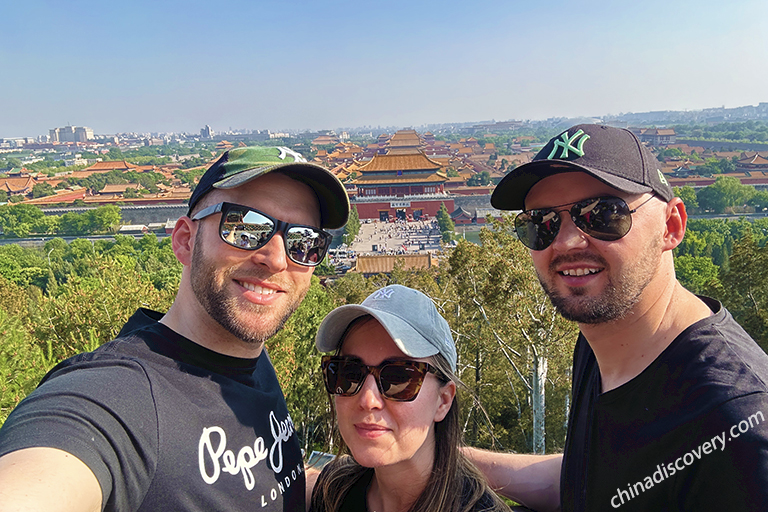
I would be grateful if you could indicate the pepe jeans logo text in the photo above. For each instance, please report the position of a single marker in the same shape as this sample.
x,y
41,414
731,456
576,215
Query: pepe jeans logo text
x,y
214,457
566,145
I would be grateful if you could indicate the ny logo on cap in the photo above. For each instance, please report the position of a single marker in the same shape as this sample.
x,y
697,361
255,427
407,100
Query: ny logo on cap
x,y
383,293
566,145
284,152
662,178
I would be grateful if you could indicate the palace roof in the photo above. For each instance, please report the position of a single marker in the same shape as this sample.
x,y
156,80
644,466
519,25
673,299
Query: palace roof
x,y
756,159
63,196
111,165
401,180
401,162
118,188
405,138
386,263
17,185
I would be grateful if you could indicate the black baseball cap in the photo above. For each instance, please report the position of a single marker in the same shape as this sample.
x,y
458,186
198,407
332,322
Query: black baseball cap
x,y
241,165
614,156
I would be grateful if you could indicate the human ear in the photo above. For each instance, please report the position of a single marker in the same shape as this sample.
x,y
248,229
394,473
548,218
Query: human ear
x,y
183,240
446,395
676,219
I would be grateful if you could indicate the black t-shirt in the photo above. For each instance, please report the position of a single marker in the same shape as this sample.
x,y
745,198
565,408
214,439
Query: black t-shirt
x,y
356,499
689,433
166,424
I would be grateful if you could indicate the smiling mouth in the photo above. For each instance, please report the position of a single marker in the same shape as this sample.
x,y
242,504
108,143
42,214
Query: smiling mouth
x,y
257,289
578,272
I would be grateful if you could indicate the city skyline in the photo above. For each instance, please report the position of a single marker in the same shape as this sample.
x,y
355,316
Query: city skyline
x,y
296,65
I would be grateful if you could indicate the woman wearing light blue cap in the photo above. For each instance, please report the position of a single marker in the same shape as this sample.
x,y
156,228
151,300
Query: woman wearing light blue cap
x,y
392,377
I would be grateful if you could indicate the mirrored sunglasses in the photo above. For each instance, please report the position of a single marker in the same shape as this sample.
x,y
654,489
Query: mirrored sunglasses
x,y
397,380
603,218
249,229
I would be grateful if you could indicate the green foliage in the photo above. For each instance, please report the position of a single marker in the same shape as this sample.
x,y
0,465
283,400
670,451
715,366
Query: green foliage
x,y
13,300
688,195
670,153
745,131
446,224
726,193
42,190
480,179
22,266
62,298
508,329
22,363
743,288
22,220
89,310
716,166
352,227
325,268
759,201
696,272
297,365
353,288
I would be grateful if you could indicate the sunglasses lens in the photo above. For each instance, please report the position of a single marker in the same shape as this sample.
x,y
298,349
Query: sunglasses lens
x,y
537,229
397,380
401,380
603,218
249,229
343,377
246,228
606,218
306,246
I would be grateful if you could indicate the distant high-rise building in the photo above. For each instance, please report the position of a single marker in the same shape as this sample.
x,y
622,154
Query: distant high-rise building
x,y
83,134
71,134
206,132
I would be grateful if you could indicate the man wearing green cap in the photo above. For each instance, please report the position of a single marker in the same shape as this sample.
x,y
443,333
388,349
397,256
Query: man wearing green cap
x,y
183,411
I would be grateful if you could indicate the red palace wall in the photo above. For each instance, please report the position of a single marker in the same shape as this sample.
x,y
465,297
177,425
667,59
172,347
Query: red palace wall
x,y
428,207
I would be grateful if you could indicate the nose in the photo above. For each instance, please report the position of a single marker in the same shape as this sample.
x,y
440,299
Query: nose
x,y
569,236
369,396
272,255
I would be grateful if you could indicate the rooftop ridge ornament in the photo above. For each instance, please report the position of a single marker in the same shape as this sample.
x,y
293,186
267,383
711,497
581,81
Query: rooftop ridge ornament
x,y
567,145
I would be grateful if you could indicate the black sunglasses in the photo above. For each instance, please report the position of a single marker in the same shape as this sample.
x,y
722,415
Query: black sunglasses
x,y
603,218
249,229
397,380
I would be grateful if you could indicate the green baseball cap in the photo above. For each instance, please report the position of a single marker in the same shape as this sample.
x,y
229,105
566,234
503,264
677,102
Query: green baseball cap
x,y
241,165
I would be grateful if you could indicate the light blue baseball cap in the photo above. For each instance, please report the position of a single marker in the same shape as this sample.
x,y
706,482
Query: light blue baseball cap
x,y
409,317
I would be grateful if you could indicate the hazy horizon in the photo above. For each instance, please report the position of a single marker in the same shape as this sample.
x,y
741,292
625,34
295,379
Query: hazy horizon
x,y
298,65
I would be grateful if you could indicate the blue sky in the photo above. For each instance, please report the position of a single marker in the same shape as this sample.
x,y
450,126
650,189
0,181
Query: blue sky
x,y
150,66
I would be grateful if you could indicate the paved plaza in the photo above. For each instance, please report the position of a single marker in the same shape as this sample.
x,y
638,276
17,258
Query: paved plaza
x,y
398,237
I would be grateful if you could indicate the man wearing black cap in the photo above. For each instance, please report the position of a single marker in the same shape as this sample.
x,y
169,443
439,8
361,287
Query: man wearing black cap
x,y
183,411
670,395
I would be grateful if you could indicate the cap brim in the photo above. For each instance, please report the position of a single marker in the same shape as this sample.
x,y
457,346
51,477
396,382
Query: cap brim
x,y
333,198
407,339
511,191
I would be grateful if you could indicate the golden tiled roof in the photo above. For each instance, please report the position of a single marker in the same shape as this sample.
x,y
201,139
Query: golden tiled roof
x,y
64,196
111,165
403,138
385,264
118,188
400,180
397,162
755,159
15,185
